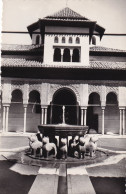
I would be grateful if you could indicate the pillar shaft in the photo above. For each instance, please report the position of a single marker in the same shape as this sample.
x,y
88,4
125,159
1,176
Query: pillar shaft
x,y
120,129
85,116
42,116
4,117
7,115
82,117
103,121
77,115
51,109
45,116
123,122
25,116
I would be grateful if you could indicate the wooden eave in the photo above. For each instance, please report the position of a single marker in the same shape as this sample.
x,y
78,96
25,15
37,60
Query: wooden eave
x,y
64,73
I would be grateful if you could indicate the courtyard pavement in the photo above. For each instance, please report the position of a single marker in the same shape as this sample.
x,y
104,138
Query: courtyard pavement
x,y
106,177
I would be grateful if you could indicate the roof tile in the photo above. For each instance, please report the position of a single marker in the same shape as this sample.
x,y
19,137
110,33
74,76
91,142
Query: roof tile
x,y
12,62
66,13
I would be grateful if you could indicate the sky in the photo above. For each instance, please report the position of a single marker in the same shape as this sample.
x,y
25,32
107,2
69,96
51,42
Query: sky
x,y
18,14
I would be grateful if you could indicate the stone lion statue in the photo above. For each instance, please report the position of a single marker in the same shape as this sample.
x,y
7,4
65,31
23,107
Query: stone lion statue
x,y
35,144
63,148
87,144
48,147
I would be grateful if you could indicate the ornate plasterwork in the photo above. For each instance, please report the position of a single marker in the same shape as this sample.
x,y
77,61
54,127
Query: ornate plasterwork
x,y
95,88
55,87
34,86
113,89
20,85
17,85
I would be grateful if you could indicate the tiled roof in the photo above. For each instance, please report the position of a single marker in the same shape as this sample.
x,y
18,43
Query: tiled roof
x,y
66,13
10,62
16,47
105,49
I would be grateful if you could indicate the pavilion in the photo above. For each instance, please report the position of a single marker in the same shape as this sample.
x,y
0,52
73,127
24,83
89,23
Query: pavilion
x,y
64,66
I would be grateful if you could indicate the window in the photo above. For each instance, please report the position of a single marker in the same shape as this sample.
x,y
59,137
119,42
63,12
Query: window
x,y
57,55
56,39
66,55
94,40
77,40
70,40
75,57
37,39
63,40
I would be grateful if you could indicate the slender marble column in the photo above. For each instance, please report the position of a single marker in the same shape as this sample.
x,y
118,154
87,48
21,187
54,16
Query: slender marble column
x,y
62,50
4,117
85,116
45,116
123,122
71,54
82,117
42,115
7,115
120,130
77,115
25,116
103,120
51,109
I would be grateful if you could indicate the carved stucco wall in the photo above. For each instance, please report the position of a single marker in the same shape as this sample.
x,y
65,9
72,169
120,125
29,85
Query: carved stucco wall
x,y
55,87
47,91
103,90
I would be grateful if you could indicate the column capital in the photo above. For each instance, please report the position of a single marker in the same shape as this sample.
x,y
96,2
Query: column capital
x,y
83,107
122,108
25,105
103,107
44,106
6,104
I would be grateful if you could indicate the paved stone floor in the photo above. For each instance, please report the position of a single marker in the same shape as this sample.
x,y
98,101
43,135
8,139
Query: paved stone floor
x,y
104,177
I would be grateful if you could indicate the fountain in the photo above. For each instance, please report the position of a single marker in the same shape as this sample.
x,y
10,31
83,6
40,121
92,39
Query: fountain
x,y
81,149
62,129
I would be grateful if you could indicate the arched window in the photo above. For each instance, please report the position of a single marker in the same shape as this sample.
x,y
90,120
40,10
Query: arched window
x,y
93,40
77,40
111,98
57,55
94,98
70,40
34,101
37,39
56,39
63,40
66,55
17,96
75,57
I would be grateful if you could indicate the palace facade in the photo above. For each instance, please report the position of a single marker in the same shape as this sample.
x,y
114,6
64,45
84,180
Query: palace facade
x,y
64,66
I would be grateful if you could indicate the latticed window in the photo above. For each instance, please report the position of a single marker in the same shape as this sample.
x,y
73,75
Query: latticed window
x,y
56,39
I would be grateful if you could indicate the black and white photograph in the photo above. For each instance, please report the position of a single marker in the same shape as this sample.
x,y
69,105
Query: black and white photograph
x,y
63,97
